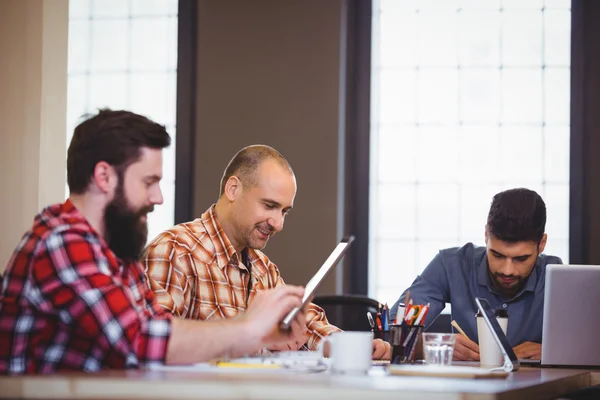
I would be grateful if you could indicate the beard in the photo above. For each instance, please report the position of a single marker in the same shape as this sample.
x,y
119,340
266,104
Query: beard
x,y
251,241
126,232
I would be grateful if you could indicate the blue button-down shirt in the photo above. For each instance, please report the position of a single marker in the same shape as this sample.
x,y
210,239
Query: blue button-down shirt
x,y
459,275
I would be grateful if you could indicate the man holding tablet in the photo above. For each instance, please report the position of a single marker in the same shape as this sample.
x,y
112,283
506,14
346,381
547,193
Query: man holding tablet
x,y
211,268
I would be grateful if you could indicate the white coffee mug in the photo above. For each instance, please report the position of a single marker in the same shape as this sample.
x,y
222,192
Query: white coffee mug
x,y
490,354
350,352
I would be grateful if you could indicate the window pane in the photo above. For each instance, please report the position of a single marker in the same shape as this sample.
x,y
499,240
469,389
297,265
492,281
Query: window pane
x,y
437,212
150,44
123,55
521,96
522,5
490,5
522,38
398,44
557,38
483,108
474,207
478,38
557,96
521,154
397,211
109,45
556,154
437,159
480,95
478,155
436,39
557,207
397,88
397,151
396,270
153,7
110,8
437,92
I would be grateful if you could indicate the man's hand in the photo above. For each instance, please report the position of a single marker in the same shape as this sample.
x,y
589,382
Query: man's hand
x,y
264,315
529,350
465,349
381,350
297,336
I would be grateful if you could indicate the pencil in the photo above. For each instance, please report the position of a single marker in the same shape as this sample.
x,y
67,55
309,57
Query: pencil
x,y
458,328
244,365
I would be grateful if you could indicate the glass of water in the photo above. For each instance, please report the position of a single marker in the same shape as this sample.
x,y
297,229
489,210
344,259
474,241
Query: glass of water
x,y
438,348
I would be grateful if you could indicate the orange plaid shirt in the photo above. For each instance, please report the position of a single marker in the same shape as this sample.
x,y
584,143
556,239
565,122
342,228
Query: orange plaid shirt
x,y
196,273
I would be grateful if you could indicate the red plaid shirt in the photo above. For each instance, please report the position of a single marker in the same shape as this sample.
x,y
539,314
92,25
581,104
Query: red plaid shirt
x,y
67,302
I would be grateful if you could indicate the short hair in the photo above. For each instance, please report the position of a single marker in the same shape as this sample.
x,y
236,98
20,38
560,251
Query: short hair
x,y
517,215
246,162
115,137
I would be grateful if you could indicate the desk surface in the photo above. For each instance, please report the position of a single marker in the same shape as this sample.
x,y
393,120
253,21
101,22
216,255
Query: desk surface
x,y
527,383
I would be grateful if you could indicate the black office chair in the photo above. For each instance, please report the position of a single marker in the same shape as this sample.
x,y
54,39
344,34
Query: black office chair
x,y
441,324
347,312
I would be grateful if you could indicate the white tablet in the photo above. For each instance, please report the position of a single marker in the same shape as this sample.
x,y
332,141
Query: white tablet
x,y
314,282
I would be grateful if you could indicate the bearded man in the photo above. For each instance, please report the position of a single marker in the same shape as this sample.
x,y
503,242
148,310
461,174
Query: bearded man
x,y
509,272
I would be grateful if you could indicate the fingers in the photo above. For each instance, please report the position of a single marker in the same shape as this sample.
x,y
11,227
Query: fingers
x,y
298,331
468,343
529,350
277,302
465,349
381,349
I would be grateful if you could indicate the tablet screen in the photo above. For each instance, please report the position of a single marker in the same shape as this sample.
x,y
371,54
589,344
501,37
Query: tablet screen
x,y
335,256
492,323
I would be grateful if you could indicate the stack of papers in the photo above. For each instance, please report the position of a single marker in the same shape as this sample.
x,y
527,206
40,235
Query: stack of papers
x,y
281,362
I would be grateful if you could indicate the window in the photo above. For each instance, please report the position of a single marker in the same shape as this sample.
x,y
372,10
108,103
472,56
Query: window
x,y
470,97
123,55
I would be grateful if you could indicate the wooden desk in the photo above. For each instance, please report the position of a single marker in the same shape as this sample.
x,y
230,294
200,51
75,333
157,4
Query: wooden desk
x,y
527,384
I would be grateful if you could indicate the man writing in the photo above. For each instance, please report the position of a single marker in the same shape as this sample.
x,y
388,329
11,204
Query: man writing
x,y
74,295
509,272
211,268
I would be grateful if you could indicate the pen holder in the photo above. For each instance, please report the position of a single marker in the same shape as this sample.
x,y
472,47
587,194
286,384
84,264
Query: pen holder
x,y
407,344
383,335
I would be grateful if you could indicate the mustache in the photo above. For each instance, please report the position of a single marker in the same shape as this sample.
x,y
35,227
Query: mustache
x,y
145,210
499,275
265,227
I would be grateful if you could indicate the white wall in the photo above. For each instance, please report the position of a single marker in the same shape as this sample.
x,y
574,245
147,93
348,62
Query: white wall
x,y
33,90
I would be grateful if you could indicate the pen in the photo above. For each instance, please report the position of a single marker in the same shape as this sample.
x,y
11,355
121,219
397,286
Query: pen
x,y
458,328
384,318
400,313
371,322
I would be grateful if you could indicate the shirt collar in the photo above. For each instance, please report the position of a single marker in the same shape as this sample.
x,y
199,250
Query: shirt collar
x,y
483,276
220,240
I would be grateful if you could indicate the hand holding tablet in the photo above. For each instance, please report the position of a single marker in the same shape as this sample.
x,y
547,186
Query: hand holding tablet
x,y
314,282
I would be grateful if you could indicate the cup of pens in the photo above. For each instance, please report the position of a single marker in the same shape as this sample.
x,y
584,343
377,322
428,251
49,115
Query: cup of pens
x,y
380,323
407,343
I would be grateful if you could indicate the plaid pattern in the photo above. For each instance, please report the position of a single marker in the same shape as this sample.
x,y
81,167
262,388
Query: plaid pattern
x,y
68,303
195,273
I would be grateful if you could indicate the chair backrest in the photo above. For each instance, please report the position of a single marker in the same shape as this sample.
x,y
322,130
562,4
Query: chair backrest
x,y
347,312
441,324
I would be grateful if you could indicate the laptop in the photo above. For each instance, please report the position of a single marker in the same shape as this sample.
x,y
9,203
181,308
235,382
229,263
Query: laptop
x,y
571,326
571,321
